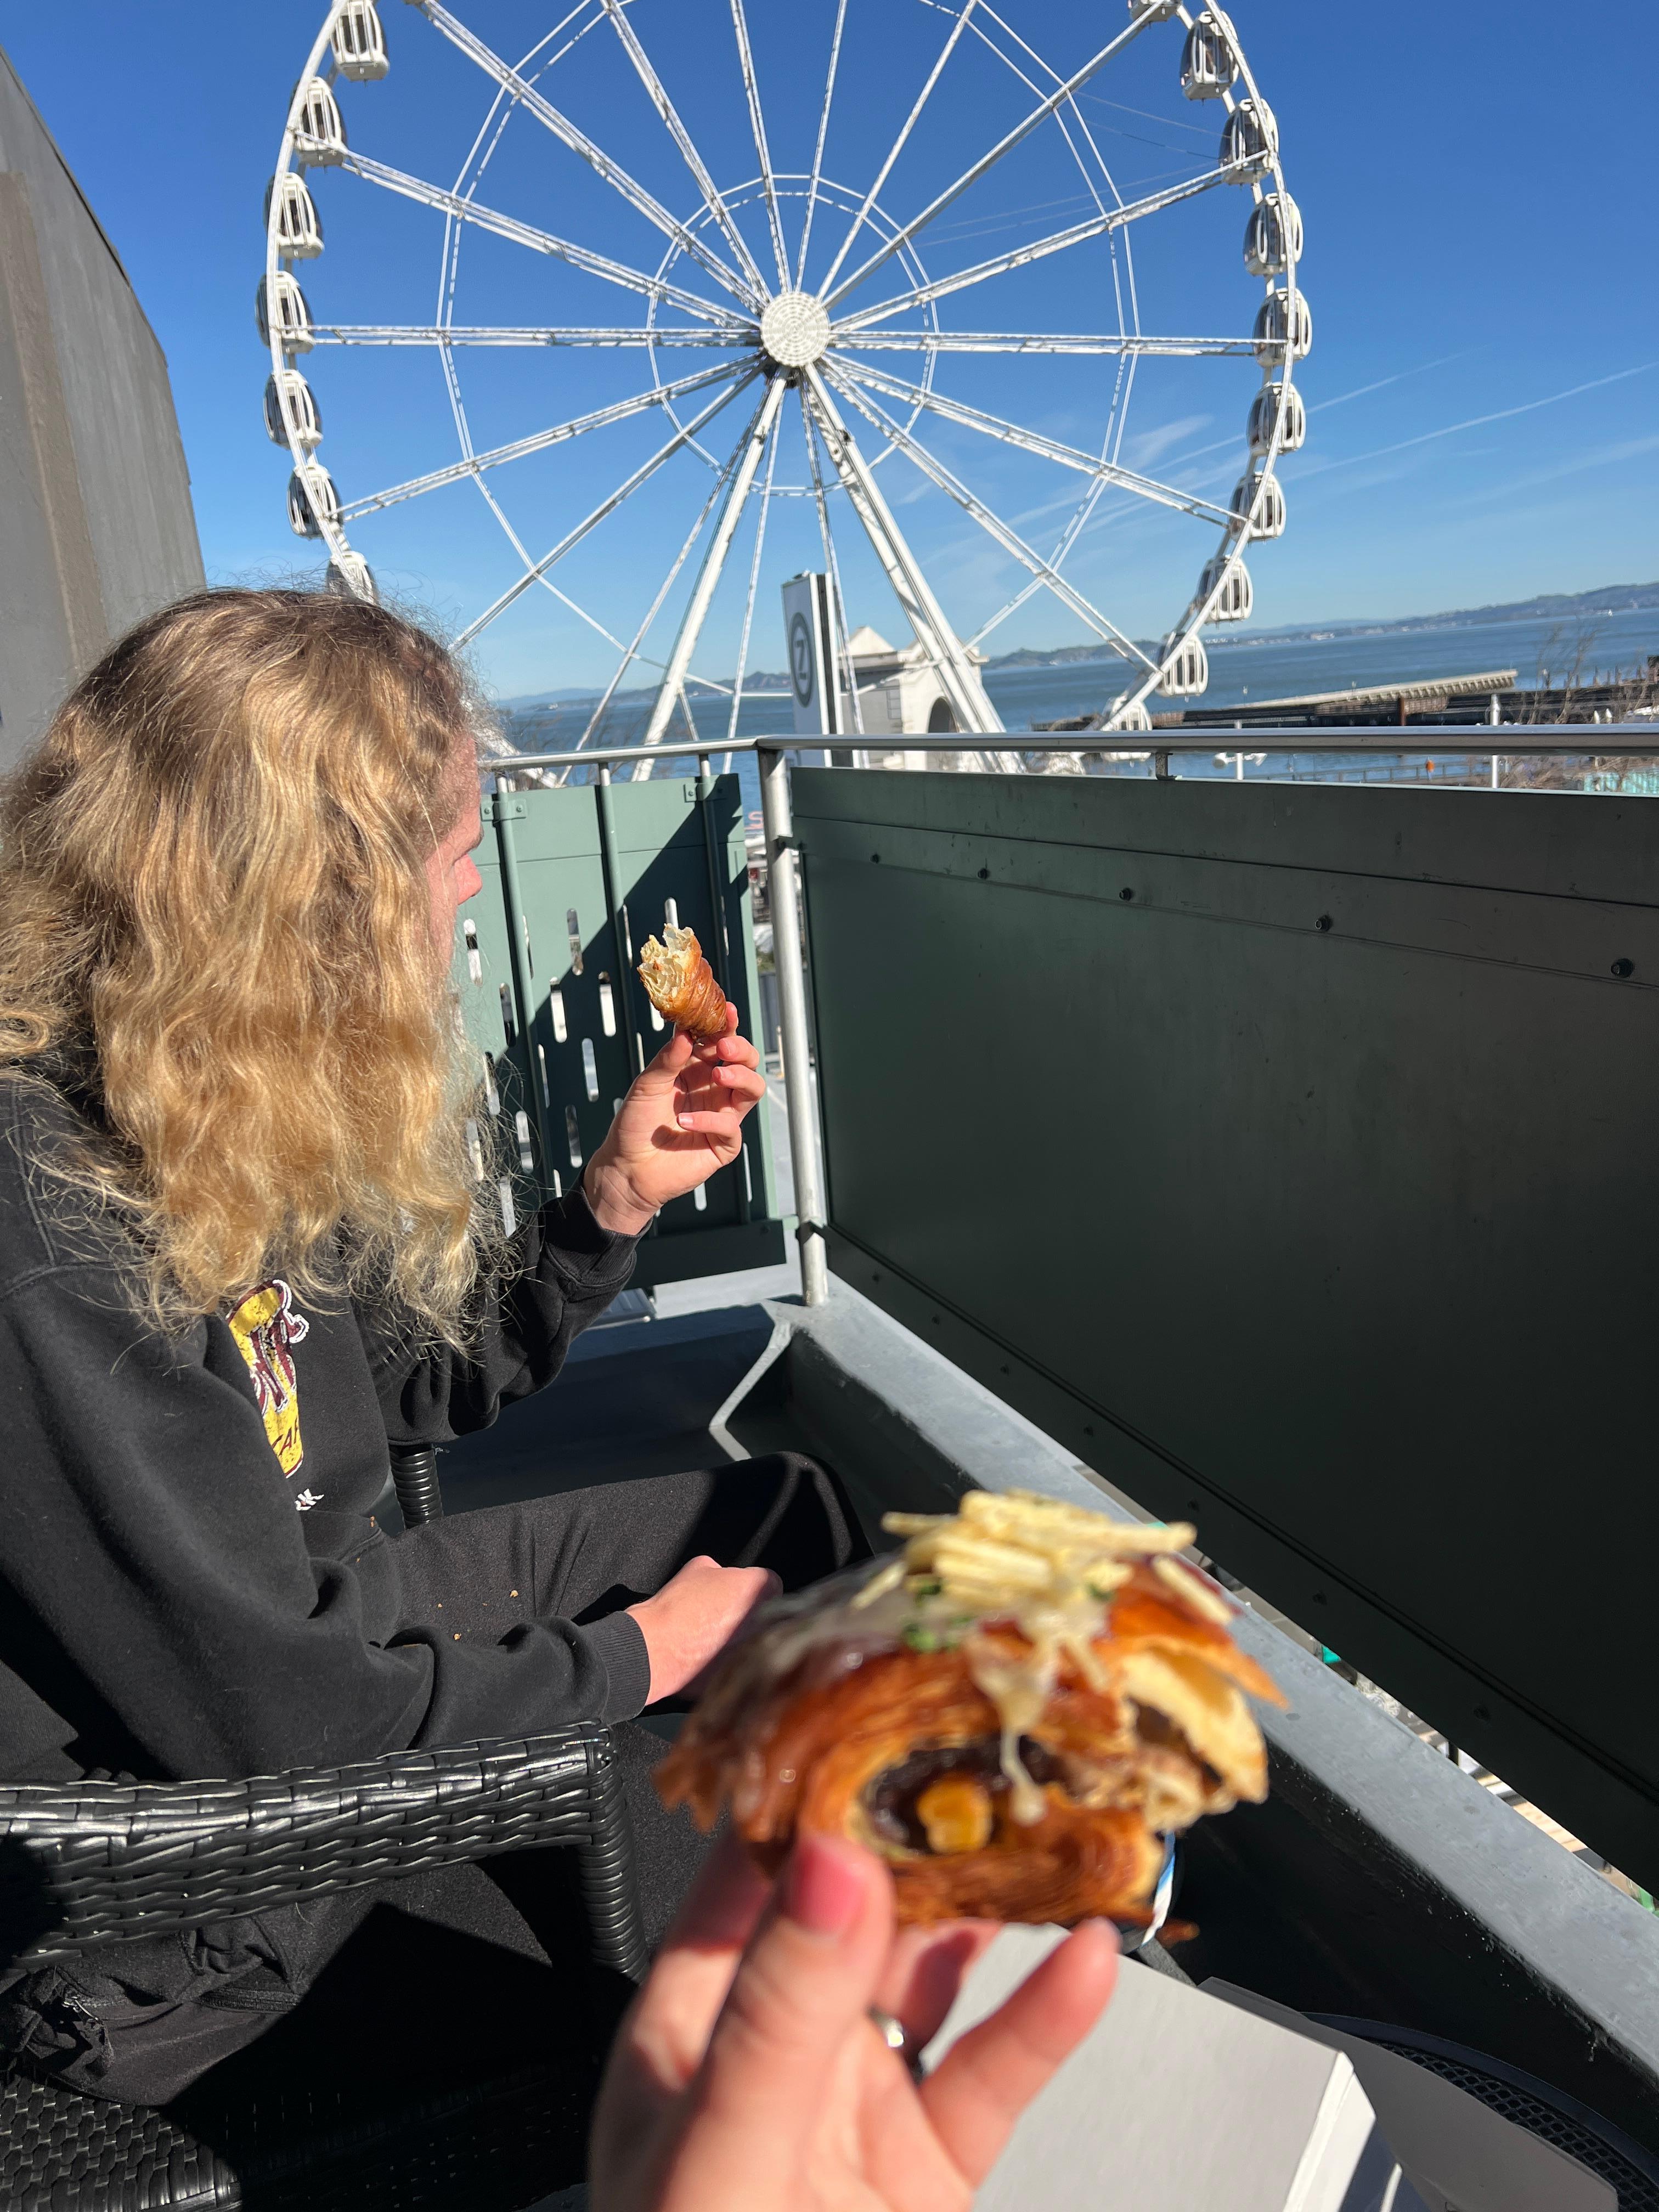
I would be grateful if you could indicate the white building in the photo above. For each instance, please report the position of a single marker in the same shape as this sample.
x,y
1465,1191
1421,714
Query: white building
x,y
899,694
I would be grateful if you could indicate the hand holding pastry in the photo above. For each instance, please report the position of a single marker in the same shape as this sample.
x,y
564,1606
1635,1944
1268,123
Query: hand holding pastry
x,y
749,2073
682,1119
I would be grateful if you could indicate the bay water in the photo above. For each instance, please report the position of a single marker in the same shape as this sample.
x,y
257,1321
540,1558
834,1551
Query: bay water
x,y
1243,670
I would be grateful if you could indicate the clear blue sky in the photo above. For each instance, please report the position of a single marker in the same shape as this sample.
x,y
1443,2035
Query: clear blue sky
x,y
1475,182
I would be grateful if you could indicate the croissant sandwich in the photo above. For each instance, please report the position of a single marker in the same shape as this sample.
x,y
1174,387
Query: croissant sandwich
x,y
1014,1711
680,984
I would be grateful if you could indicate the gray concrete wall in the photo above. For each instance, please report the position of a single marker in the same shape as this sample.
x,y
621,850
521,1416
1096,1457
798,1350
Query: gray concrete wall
x,y
96,526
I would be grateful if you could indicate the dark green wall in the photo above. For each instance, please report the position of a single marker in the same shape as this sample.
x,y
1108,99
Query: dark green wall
x,y
1292,1155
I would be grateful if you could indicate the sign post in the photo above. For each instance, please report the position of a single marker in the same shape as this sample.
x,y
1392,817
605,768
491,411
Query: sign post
x,y
807,637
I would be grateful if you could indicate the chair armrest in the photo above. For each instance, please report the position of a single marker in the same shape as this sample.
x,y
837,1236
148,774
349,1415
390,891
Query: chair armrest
x,y
89,1863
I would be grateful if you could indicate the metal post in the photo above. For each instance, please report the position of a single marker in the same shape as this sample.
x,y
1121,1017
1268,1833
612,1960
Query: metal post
x,y
622,936
719,950
783,891
507,812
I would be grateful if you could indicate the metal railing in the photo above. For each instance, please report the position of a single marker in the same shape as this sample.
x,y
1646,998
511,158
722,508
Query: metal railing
x,y
1516,739
1605,739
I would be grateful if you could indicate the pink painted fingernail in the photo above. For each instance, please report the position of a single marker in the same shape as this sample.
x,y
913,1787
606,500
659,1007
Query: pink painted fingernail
x,y
822,1887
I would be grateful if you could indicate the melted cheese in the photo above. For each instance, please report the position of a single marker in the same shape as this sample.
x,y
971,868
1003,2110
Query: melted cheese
x,y
1011,1559
1050,1568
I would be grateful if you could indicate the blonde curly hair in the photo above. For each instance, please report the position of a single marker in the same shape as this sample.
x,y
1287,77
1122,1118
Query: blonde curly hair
x,y
213,902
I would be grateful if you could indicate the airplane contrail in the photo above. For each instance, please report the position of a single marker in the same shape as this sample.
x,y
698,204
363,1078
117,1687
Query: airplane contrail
x,y
1399,376
1230,444
1476,421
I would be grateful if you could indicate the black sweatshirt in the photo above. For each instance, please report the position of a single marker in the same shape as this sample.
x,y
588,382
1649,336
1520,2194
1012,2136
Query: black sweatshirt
x,y
190,1583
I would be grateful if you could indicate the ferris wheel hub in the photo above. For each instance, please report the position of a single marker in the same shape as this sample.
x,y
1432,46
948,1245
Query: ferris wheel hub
x,y
795,329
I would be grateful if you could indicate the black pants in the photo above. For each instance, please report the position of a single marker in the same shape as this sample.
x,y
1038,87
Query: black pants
x,y
592,1552
489,1960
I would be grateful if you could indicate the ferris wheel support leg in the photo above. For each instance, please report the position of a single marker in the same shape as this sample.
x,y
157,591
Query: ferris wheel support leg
x,y
709,575
969,702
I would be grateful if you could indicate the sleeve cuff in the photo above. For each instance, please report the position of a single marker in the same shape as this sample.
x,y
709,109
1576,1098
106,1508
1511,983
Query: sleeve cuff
x,y
569,1228
619,1645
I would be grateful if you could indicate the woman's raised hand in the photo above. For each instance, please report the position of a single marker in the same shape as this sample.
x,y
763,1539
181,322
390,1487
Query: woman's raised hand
x,y
682,1119
748,2073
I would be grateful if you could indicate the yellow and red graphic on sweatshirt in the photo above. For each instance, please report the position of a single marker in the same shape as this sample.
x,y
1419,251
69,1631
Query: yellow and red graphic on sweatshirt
x,y
265,1327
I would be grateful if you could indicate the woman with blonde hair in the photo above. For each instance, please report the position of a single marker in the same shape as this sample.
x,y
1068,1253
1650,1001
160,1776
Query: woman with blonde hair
x,y
242,1245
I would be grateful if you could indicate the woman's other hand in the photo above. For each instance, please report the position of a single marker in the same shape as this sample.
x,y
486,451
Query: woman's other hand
x,y
694,1617
748,2072
682,1119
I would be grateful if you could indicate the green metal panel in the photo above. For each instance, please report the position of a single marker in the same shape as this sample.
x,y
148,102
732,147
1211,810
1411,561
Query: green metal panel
x,y
1290,1154
573,879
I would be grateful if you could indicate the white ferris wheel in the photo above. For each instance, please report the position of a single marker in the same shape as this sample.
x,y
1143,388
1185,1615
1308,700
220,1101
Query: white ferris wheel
x,y
725,288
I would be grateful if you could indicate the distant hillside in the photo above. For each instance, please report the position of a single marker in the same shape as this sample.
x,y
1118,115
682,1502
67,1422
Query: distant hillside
x,y
1058,656
527,702
1561,606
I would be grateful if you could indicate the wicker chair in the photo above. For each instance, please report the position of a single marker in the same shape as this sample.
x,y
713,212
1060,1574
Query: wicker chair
x,y
91,1864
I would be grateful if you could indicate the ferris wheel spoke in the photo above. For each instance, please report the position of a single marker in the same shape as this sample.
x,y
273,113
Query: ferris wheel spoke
x,y
523,551
1039,249
1079,121
992,524
754,586
1127,342
631,651
525,234
1064,124
740,469
970,701
656,92
762,152
639,335
1028,589
1068,537
569,134
817,177
869,340
1022,131
546,582
843,643
458,471
630,484
1032,442
898,147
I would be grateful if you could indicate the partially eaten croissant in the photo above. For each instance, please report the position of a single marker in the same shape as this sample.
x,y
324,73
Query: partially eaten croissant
x,y
1012,1712
680,984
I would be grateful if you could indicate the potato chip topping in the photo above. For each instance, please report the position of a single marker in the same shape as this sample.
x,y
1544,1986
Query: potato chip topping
x,y
1051,1569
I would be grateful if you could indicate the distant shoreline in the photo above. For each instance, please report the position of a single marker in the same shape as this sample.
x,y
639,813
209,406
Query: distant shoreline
x,y
1584,606
1610,599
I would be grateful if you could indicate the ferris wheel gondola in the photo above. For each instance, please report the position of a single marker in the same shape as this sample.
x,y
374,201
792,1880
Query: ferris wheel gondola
x,y
788,310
